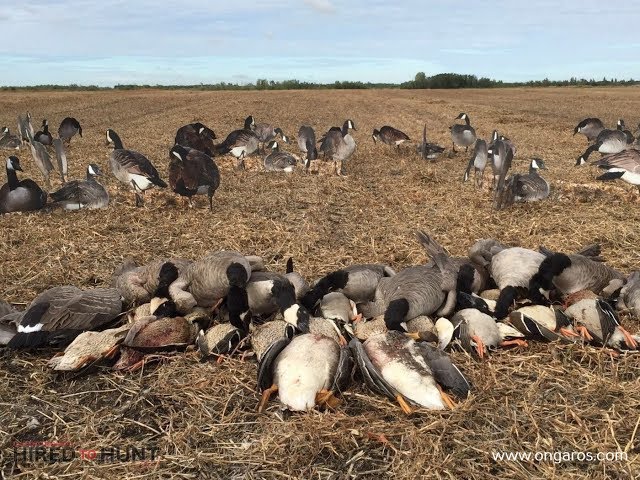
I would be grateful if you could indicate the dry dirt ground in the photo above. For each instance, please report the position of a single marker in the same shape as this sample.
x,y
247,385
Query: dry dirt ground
x,y
201,417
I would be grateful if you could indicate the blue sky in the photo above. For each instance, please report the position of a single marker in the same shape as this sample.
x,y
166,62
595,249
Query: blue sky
x,y
200,41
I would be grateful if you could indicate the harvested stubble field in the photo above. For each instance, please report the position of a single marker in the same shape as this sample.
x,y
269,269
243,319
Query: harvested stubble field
x,y
202,416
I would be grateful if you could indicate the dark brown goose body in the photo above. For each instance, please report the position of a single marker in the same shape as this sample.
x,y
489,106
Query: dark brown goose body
x,y
193,172
68,128
197,136
390,136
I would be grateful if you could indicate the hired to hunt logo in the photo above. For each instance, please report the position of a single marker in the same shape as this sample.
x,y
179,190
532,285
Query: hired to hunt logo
x,y
62,452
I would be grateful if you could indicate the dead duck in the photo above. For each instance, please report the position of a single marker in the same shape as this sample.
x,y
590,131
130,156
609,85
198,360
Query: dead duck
x,y
427,150
590,128
20,195
59,314
78,194
192,172
44,136
132,168
68,128
543,324
463,135
197,136
278,161
9,141
390,136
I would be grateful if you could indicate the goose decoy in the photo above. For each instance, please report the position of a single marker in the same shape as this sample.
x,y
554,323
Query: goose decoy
x,y
624,165
132,168
463,135
590,128
60,314
266,133
390,136
20,195
477,162
25,129
306,371
193,172
339,145
44,136
240,143
42,159
307,145
543,324
597,321
89,348
78,194
428,151
61,157
9,141
620,126
608,141
529,187
197,136
407,371
68,128
501,157
629,298
278,161
358,282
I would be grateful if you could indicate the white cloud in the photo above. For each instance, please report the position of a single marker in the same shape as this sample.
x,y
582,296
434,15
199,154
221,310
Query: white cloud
x,y
322,6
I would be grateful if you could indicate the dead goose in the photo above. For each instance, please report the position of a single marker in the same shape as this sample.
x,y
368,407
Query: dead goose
x,y
61,157
44,136
198,136
25,129
193,172
307,145
339,145
278,161
608,141
263,289
630,295
428,151
78,194
20,195
264,335
543,324
390,136
478,162
132,168
60,314
240,143
463,135
336,306
624,165
590,128
42,159
68,128
9,141
529,187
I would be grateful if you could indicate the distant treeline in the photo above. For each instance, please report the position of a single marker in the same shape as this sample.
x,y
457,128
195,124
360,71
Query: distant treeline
x,y
421,81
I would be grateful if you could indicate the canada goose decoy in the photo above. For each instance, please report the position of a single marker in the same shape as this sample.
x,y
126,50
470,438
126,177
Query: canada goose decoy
x,y
61,157
44,136
9,141
463,135
307,145
339,145
132,168
358,282
240,143
20,195
620,126
543,324
428,151
42,159
305,371
407,371
266,133
501,156
278,161
25,129
529,187
192,172
590,128
60,314
629,298
390,136
608,141
78,194
477,162
597,321
624,165
68,128
197,136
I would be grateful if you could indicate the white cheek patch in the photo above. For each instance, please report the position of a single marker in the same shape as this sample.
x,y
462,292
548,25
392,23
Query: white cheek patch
x,y
350,124
109,137
201,130
30,328
534,164
177,155
9,164
91,170
291,314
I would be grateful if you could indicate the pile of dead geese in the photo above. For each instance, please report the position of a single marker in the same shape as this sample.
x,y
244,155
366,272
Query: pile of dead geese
x,y
362,322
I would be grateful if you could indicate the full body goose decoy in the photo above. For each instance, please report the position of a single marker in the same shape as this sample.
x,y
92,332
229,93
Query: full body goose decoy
x,y
501,156
20,195
590,128
629,298
42,159
132,168
608,141
61,157
197,136
624,165
266,133
477,162
621,126
240,143
44,136
25,128
428,151
339,145
193,172
59,314
68,128
463,135
390,136
529,187
9,141
278,161
78,194
307,145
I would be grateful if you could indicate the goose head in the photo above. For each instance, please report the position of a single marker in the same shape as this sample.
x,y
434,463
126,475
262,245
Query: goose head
x,y
13,163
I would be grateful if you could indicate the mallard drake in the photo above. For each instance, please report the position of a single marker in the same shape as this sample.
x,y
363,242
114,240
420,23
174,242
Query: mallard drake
x,y
9,141
543,324
60,314
339,145
197,136
192,172
44,136
20,195
78,194
463,135
68,128
132,168
428,151
390,136
590,128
